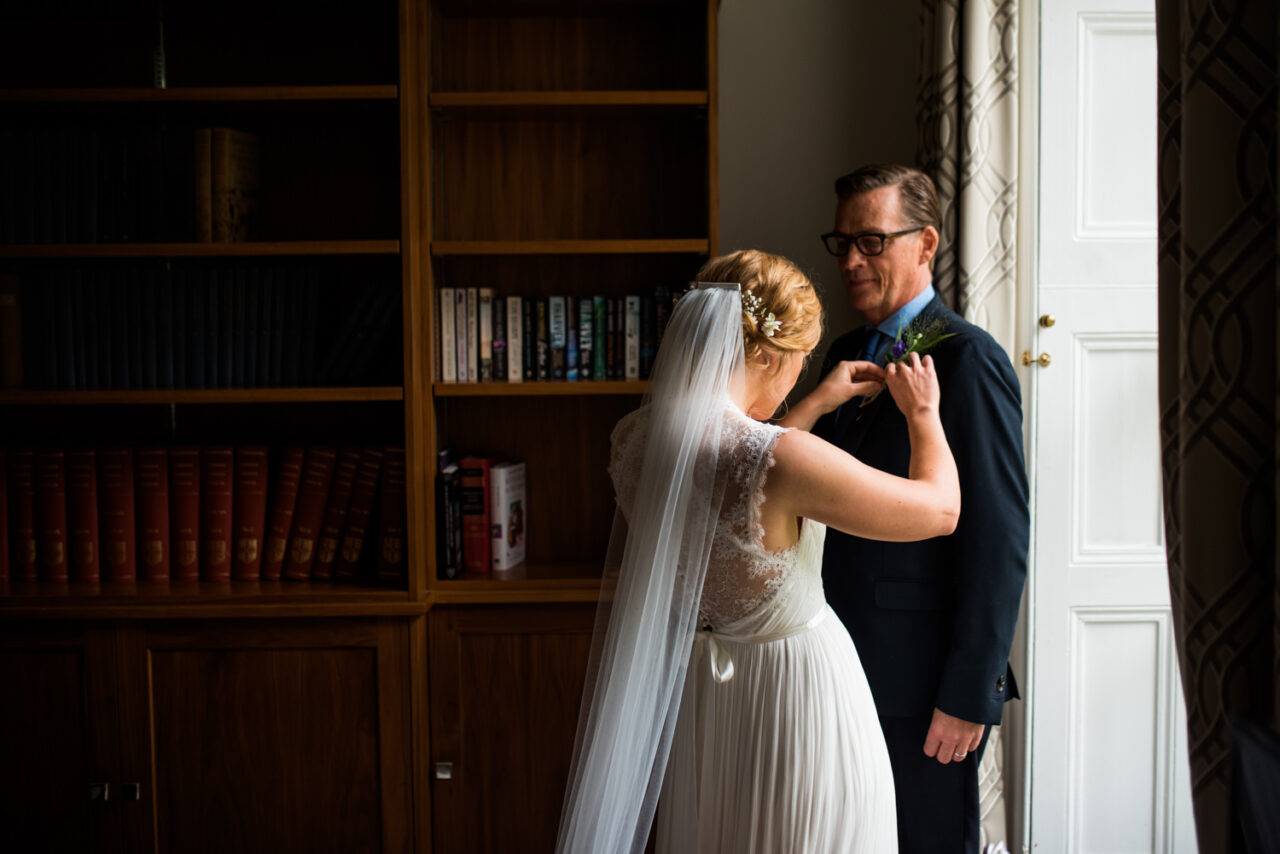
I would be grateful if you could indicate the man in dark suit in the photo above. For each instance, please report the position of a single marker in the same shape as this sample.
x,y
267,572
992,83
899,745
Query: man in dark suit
x,y
933,621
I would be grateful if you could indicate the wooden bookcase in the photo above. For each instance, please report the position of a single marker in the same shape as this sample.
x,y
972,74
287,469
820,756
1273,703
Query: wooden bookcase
x,y
537,148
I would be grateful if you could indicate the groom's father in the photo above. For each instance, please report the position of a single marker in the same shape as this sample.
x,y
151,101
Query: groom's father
x,y
933,621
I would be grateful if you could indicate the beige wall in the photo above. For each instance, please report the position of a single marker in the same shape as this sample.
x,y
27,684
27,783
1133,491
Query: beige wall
x,y
809,90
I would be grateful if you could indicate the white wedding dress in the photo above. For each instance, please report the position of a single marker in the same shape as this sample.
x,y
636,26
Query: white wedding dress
x,y
777,746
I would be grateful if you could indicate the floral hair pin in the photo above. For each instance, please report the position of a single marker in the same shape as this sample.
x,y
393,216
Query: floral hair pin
x,y
765,321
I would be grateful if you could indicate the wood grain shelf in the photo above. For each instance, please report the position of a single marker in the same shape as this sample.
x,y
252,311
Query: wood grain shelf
x,y
199,94
540,388
200,250
531,582
204,395
693,246
184,599
573,99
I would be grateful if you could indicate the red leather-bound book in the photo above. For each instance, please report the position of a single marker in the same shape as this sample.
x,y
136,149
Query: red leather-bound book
x,y
283,502
115,514
151,492
249,512
392,536
4,515
217,464
335,512
184,513
83,544
51,514
308,515
362,497
477,537
22,514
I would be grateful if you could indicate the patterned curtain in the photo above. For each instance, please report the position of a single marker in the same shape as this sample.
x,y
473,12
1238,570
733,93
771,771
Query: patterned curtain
x,y
1219,398
967,115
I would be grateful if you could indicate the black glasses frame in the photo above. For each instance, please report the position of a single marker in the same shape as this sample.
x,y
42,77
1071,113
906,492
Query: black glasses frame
x,y
869,243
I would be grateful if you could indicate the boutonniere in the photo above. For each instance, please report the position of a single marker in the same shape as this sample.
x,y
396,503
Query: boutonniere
x,y
919,336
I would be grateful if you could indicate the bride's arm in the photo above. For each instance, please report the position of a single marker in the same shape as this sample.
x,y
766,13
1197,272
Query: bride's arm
x,y
817,480
845,380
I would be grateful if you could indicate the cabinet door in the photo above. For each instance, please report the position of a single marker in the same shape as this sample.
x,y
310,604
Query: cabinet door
x,y
57,739
506,683
256,735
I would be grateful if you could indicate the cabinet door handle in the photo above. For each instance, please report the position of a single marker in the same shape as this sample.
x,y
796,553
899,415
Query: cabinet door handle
x,y
131,791
444,770
99,791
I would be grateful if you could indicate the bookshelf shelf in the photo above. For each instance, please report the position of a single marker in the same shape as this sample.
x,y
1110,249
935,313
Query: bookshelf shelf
x,y
178,599
200,250
531,582
582,98
692,246
212,395
198,94
537,389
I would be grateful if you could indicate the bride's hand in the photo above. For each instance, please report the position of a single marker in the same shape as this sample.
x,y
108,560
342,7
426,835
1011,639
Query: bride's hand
x,y
846,380
914,385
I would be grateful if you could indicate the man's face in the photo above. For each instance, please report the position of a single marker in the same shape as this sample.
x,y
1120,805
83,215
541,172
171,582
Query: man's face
x,y
879,285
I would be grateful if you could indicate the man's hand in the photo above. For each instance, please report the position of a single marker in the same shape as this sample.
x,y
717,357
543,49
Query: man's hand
x,y
951,739
845,380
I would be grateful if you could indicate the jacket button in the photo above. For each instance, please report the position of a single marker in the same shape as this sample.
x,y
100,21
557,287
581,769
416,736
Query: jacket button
x,y
999,684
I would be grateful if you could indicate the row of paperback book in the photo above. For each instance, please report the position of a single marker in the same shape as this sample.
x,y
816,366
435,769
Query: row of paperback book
x,y
488,337
480,514
237,326
106,182
213,513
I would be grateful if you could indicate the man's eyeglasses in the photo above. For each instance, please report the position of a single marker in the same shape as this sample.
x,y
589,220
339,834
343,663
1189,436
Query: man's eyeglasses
x,y
868,242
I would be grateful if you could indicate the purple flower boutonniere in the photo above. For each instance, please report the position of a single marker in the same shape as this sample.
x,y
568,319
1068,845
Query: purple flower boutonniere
x,y
919,336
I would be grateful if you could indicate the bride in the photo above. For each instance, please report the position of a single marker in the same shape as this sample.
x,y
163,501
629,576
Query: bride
x,y
723,693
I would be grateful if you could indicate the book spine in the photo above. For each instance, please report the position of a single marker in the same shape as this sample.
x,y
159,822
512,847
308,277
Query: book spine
x,y
82,515
363,495
51,514
477,544
460,332
392,533
217,469
335,512
22,500
586,338
600,338
203,161
631,331
571,339
484,315
313,494
499,339
515,339
248,511
544,338
556,328
115,514
447,564
529,322
508,510
283,502
611,360
473,334
448,339
184,513
151,481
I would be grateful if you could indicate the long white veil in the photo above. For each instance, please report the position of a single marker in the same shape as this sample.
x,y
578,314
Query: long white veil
x,y
653,578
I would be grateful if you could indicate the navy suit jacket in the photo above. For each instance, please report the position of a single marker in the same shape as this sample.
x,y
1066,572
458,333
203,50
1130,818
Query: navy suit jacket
x,y
933,620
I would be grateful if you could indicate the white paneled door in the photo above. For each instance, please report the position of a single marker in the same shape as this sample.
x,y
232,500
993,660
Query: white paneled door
x,y
1108,749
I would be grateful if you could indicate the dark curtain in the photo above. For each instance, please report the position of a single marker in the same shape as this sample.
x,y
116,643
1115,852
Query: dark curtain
x,y
1218,376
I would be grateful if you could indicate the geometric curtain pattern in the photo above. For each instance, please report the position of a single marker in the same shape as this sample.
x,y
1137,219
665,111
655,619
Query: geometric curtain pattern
x,y
1217,177
967,121
967,124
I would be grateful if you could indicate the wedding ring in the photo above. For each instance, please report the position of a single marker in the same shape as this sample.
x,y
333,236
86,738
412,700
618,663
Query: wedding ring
x,y
959,755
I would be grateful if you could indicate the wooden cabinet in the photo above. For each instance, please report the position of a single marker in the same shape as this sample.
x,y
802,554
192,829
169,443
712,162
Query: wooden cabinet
x,y
207,736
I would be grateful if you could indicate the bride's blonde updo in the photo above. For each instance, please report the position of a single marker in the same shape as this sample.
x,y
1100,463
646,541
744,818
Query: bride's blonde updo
x,y
782,290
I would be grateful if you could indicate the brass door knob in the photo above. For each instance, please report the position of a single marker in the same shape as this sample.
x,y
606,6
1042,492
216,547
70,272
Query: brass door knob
x,y
1047,320
1042,360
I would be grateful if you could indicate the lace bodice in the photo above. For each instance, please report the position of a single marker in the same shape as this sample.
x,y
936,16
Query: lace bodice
x,y
742,575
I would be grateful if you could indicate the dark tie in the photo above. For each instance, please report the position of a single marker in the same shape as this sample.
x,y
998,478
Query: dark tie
x,y
848,410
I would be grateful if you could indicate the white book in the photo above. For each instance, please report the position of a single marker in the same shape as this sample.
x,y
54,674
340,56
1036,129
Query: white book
x,y
486,334
556,334
460,332
632,340
507,513
448,343
473,334
515,340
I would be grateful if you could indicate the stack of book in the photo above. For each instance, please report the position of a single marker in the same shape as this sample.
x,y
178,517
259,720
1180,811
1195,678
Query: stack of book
x,y
480,514
488,337
213,513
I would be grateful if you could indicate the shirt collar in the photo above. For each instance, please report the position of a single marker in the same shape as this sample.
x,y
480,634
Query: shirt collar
x,y
900,318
